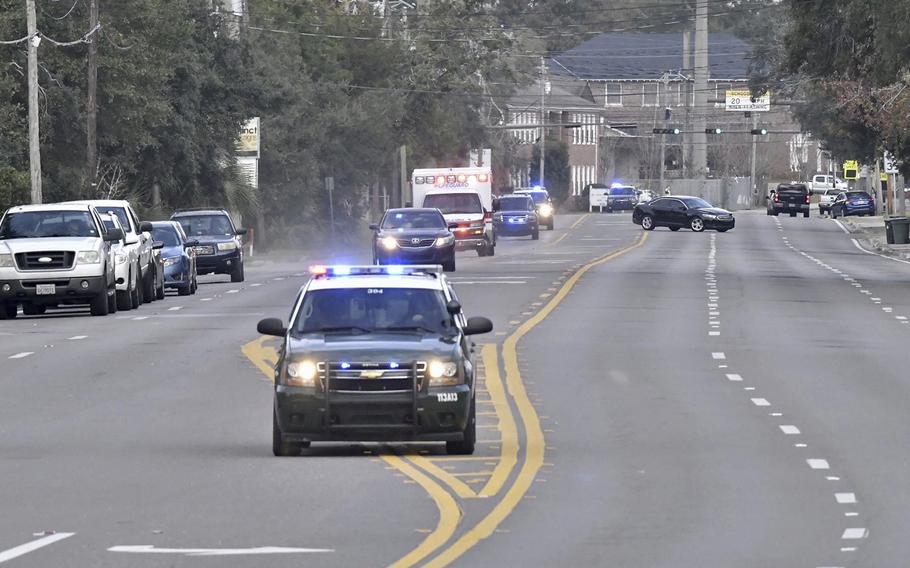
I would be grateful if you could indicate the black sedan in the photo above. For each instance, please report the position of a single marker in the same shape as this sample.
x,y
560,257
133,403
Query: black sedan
x,y
414,236
678,211
516,216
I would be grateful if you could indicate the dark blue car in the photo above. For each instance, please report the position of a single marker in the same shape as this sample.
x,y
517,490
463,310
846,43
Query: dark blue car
x,y
516,217
853,203
178,257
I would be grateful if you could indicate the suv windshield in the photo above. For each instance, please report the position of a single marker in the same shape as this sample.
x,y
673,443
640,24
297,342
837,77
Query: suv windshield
x,y
198,225
39,224
454,202
537,196
365,310
515,204
167,235
413,220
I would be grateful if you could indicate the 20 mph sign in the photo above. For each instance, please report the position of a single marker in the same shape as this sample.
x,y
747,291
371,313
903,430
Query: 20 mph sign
x,y
741,101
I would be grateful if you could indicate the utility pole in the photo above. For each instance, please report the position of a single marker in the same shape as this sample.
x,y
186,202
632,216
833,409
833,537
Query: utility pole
x,y
91,128
34,134
665,79
752,168
403,173
699,137
543,121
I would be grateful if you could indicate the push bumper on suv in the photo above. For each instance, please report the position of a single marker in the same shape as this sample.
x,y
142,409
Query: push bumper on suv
x,y
515,228
304,414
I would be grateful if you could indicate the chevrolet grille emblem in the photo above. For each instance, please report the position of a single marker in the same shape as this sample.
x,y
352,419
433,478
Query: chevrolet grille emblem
x,y
370,374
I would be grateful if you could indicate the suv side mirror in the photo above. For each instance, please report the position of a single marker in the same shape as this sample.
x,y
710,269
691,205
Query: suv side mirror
x,y
240,232
478,325
145,227
374,226
453,307
158,245
272,326
191,243
113,235
451,226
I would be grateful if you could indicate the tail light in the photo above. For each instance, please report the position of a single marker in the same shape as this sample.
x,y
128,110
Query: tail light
x,y
807,198
487,216
776,198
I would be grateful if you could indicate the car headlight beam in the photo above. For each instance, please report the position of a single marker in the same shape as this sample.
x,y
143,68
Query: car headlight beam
x,y
445,241
546,210
302,373
442,373
230,245
389,243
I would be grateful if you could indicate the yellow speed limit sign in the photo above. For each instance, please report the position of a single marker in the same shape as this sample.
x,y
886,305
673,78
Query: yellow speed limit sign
x,y
851,169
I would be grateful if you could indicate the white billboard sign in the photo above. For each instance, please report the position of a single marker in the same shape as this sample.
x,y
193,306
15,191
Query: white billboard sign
x,y
741,101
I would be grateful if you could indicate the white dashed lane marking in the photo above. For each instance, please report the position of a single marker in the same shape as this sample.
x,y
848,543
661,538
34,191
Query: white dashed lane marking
x,y
140,318
717,356
816,463
855,533
760,402
22,355
734,377
845,498
789,430
78,337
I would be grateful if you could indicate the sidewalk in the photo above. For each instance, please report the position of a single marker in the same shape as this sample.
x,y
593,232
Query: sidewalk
x,y
871,230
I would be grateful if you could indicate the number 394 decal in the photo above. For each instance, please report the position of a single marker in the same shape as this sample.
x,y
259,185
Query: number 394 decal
x,y
447,397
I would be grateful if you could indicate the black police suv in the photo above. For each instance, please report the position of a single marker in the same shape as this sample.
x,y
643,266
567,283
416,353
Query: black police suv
x,y
219,249
678,211
414,236
516,216
375,353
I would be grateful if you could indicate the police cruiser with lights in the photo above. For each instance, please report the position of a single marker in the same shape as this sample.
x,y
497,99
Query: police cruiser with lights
x,y
375,353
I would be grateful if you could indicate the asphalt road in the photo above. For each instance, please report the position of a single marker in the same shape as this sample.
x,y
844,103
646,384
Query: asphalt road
x,y
669,399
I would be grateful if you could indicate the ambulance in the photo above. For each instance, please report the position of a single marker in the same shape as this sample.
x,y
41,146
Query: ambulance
x,y
465,198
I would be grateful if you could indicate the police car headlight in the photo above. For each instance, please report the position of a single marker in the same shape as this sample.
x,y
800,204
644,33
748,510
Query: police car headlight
x,y
88,257
389,243
230,245
445,241
119,258
442,373
546,210
302,373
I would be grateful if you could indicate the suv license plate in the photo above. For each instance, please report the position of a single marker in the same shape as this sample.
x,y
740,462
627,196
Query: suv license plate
x,y
46,289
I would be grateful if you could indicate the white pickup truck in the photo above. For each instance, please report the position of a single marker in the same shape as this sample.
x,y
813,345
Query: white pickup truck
x,y
823,182
52,255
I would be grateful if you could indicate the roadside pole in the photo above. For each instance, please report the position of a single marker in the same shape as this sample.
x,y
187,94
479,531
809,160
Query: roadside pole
x,y
330,187
34,134
752,165
403,175
543,121
877,190
898,185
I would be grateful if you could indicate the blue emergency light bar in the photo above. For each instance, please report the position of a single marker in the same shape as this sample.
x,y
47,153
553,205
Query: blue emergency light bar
x,y
373,270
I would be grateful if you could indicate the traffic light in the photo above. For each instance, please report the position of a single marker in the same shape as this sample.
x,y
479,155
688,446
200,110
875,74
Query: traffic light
x,y
759,131
675,131
714,131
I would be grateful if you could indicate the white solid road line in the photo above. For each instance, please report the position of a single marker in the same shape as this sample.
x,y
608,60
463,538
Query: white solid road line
x,y
152,549
22,355
78,337
32,546
860,247
845,498
818,464
842,227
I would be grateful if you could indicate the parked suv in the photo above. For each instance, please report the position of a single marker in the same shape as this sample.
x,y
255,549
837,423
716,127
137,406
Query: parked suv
x,y
219,250
56,254
137,244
